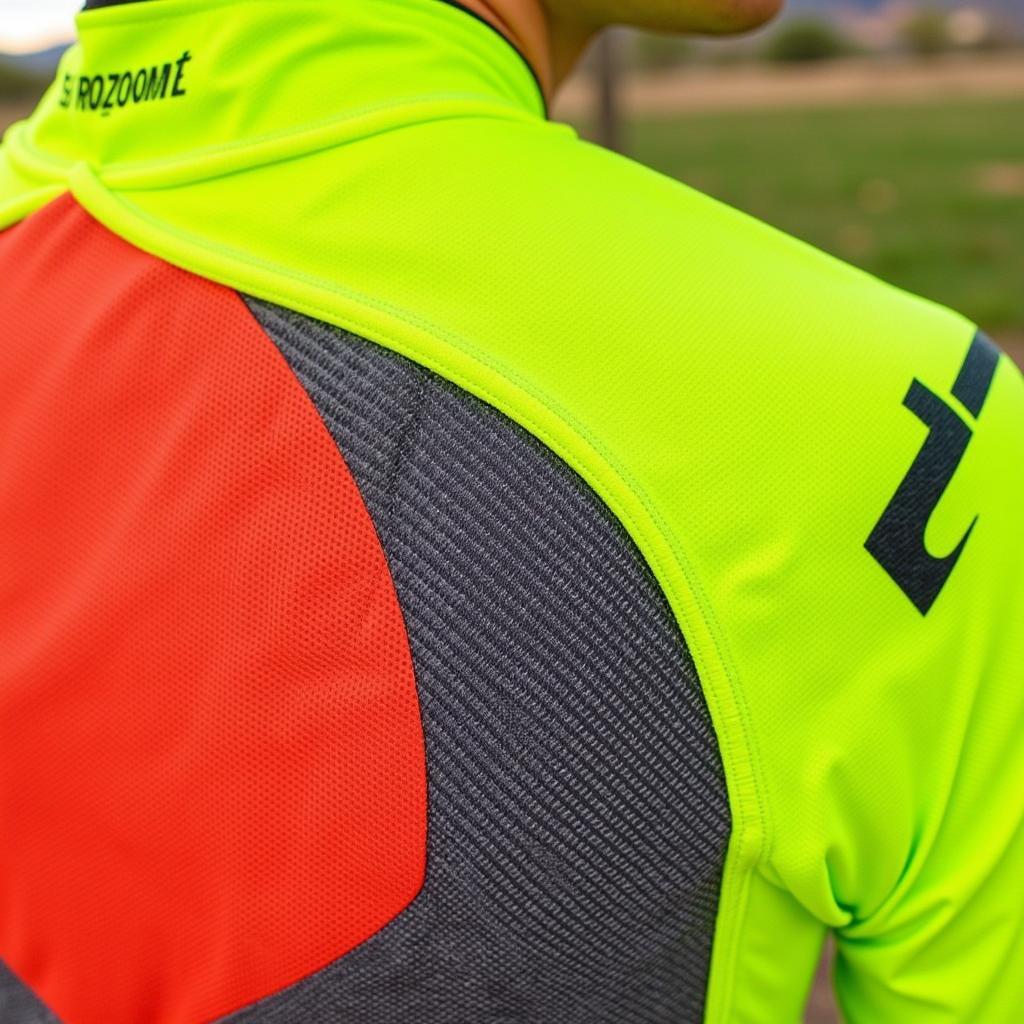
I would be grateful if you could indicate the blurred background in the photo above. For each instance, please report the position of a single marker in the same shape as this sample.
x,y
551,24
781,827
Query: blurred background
x,y
887,132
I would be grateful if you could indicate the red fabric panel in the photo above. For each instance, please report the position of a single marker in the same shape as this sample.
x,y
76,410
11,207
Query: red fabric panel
x,y
212,775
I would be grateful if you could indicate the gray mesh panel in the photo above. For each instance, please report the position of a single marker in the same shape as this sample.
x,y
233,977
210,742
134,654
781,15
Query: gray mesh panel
x,y
578,815
19,1005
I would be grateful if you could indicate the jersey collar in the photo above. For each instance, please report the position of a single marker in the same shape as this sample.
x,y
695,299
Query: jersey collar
x,y
165,84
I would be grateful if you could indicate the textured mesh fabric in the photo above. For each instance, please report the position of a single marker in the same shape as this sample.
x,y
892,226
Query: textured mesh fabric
x,y
212,774
577,808
18,1005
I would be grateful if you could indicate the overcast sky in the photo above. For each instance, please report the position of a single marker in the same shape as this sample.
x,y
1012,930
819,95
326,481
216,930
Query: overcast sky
x,y
27,25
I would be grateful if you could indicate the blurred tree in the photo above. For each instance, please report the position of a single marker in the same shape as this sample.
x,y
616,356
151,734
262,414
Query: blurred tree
x,y
19,84
926,32
806,39
652,51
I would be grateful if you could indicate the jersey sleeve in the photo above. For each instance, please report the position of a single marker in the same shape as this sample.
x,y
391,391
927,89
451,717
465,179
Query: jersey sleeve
x,y
896,776
932,885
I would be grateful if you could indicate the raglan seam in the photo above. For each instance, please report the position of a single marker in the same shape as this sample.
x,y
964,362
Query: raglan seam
x,y
752,825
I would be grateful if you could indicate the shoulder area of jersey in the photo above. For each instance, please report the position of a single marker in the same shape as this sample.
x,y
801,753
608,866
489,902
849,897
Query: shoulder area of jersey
x,y
614,237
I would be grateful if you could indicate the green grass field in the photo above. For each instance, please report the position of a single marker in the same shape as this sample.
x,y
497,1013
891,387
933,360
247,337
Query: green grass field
x,y
928,196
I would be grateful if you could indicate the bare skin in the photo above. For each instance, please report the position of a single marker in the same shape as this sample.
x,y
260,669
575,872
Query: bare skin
x,y
551,34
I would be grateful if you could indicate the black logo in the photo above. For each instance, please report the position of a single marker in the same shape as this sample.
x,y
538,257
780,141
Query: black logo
x,y
104,93
897,541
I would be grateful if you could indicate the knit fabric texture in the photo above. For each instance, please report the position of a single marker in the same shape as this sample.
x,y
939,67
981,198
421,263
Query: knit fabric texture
x,y
578,816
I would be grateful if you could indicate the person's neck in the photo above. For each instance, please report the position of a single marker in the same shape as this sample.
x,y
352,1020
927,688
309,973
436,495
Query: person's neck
x,y
550,48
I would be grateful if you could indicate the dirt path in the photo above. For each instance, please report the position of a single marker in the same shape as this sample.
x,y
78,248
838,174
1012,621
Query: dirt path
x,y
837,83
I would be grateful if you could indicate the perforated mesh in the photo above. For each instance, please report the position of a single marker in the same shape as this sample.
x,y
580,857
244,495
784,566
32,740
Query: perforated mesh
x,y
211,757
577,807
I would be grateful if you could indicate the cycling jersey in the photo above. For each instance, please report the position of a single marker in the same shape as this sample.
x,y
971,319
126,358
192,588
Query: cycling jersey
x,y
450,573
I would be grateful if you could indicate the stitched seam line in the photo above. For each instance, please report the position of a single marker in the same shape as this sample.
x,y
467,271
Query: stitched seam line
x,y
87,186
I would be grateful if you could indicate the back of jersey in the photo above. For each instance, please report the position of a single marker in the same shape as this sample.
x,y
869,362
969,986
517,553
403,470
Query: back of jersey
x,y
451,574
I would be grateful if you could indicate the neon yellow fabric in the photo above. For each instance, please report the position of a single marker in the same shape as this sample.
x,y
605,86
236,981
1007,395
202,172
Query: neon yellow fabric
x,y
733,395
